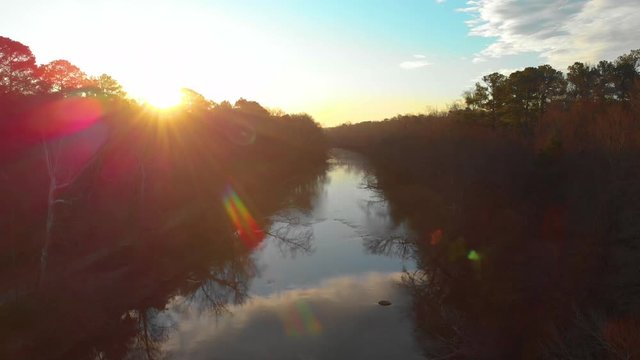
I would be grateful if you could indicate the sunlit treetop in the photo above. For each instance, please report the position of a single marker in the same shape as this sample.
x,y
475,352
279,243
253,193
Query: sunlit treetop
x,y
61,75
108,86
17,68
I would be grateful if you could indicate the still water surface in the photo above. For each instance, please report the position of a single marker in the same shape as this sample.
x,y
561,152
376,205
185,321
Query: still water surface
x,y
315,288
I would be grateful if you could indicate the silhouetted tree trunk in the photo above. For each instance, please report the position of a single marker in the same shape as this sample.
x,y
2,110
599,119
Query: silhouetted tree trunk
x,y
57,182
51,157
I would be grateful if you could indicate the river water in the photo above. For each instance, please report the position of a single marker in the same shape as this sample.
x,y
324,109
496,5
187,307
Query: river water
x,y
314,286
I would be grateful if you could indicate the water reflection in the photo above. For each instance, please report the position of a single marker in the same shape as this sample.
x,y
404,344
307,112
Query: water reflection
x,y
294,268
336,237
325,263
507,273
338,319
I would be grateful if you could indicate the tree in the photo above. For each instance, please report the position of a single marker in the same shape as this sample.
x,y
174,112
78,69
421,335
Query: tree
x,y
251,108
490,95
476,98
605,87
522,86
58,181
194,101
628,73
551,86
61,76
532,89
17,68
497,95
108,87
582,81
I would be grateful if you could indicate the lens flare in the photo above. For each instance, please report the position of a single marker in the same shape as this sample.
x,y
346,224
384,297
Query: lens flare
x,y
473,255
436,236
246,226
64,117
299,320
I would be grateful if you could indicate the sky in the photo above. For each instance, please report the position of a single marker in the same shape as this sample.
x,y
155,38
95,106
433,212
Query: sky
x,y
338,60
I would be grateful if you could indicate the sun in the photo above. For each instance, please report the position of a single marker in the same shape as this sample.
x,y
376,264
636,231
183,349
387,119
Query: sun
x,y
162,99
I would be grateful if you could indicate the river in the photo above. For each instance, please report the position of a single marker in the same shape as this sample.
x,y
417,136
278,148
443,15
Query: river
x,y
320,265
314,287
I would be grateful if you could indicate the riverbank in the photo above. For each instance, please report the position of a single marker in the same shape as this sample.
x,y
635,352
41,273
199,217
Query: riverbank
x,y
525,247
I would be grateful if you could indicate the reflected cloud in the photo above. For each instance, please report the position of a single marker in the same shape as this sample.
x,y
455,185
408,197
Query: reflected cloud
x,y
308,323
299,320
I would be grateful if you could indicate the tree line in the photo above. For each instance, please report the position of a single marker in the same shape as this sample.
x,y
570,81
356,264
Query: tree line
x,y
524,96
20,75
523,204
99,189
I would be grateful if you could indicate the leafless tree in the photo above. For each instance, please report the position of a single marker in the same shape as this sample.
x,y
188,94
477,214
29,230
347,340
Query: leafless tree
x,y
60,178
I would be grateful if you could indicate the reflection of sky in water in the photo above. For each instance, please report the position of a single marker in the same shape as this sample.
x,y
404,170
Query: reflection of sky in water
x,y
345,217
339,319
320,301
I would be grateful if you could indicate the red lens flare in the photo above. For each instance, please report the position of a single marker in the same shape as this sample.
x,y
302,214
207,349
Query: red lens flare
x,y
246,226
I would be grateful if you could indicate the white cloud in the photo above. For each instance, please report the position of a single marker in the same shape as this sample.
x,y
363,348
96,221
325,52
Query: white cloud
x,y
418,62
561,31
409,65
506,71
440,1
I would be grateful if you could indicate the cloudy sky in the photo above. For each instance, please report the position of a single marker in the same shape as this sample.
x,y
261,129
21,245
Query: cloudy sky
x,y
339,60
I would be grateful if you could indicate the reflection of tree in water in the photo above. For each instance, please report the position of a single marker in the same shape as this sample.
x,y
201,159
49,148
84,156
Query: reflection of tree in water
x,y
125,210
304,195
350,162
501,316
290,228
526,269
116,309
398,246
397,240
292,233
153,331
521,299
214,288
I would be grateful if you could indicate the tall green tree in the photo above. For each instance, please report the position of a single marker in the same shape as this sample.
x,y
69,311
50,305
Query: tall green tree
x,y
582,80
551,86
497,98
531,90
605,86
628,72
476,98
490,95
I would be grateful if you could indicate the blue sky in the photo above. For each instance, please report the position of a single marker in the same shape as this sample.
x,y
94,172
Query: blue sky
x,y
339,60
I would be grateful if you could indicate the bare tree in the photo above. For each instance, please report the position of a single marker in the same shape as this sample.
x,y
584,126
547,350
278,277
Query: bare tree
x,y
60,178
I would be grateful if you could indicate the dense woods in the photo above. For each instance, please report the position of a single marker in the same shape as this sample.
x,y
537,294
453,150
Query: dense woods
x,y
521,200
104,201
524,201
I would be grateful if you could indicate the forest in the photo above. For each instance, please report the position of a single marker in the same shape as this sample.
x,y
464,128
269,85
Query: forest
x,y
105,199
525,197
521,204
